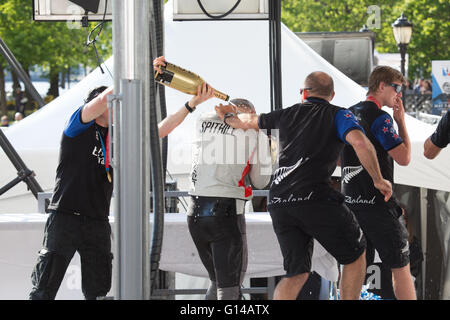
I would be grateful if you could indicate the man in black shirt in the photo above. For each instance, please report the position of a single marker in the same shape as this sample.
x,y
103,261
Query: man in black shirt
x,y
379,219
79,208
80,204
303,205
439,139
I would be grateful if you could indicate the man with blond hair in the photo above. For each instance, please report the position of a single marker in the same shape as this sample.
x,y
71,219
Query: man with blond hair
x,y
377,218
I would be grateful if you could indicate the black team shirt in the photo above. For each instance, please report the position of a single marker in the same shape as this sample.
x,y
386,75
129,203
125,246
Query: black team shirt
x,y
82,186
311,136
357,185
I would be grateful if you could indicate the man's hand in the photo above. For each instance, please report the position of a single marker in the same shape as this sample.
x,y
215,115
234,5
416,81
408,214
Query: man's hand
x,y
385,187
158,62
204,92
221,110
399,111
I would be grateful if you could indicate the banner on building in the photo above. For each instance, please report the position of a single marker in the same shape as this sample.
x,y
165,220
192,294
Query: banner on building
x,y
441,85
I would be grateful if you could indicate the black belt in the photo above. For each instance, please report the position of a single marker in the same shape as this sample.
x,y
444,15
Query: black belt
x,y
76,214
68,212
212,206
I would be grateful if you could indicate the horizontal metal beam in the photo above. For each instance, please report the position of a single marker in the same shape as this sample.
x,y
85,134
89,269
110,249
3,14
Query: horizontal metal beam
x,y
42,196
161,292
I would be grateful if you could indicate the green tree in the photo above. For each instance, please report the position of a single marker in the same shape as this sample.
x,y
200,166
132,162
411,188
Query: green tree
x,y
328,16
51,45
431,34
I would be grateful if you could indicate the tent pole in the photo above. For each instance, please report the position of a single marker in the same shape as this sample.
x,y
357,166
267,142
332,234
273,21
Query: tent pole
x,y
423,234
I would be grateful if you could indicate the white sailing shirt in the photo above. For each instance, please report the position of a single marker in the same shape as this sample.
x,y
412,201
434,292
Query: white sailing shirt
x,y
220,154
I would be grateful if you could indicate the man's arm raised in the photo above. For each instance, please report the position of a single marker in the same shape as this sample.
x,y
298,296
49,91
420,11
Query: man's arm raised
x,y
238,121
96,107
168,124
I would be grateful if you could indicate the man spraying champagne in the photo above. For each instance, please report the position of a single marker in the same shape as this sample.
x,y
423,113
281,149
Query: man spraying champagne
x,y
219,187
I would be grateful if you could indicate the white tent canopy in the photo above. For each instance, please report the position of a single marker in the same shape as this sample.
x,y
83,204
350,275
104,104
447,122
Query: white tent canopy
x,y
233,56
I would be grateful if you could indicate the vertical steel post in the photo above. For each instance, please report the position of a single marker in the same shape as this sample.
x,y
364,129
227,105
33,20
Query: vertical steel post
x,y
130,192
131,28
275,54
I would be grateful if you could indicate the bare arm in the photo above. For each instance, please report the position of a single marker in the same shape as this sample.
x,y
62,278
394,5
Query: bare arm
x,y
238,121
367,156
96,107
261,169
402,153
430,150
172,121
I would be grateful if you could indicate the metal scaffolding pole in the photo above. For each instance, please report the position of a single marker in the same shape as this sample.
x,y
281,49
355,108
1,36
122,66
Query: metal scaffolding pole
x,y
132,75
23,173
16,66
275,55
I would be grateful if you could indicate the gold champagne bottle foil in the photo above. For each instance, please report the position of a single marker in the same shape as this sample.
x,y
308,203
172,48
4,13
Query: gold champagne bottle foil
x,y
183,80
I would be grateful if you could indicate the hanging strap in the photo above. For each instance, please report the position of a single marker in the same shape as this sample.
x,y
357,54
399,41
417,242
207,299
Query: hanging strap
x,y
248,189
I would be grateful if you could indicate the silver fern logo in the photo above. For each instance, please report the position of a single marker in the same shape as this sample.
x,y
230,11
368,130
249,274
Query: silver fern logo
x,y
283,172
351,172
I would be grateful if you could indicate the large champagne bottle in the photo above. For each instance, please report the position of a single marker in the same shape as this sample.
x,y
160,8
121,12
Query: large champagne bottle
x,y
183,80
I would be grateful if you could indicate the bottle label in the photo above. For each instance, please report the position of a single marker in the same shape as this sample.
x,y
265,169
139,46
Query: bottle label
x,y
164,78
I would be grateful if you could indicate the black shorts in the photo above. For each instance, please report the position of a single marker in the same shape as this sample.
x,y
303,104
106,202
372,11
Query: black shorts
x,y
333,226
387,234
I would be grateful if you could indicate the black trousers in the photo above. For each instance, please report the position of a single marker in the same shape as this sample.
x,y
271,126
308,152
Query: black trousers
x,y
220,238
64,235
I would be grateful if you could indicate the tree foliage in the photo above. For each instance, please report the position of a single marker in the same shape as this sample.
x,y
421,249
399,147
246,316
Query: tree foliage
x,y
55,46
431,33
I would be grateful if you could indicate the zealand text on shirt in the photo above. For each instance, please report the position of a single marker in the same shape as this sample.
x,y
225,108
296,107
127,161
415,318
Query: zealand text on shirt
x,y
359,200
291,199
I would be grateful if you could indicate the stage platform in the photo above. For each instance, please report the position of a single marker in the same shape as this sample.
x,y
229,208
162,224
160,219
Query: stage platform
x,y
21,238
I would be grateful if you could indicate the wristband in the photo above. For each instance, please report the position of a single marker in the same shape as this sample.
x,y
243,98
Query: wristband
x,y
188,107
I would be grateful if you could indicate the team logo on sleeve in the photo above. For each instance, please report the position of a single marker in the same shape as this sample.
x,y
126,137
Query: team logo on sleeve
x,y
391,130
388,129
